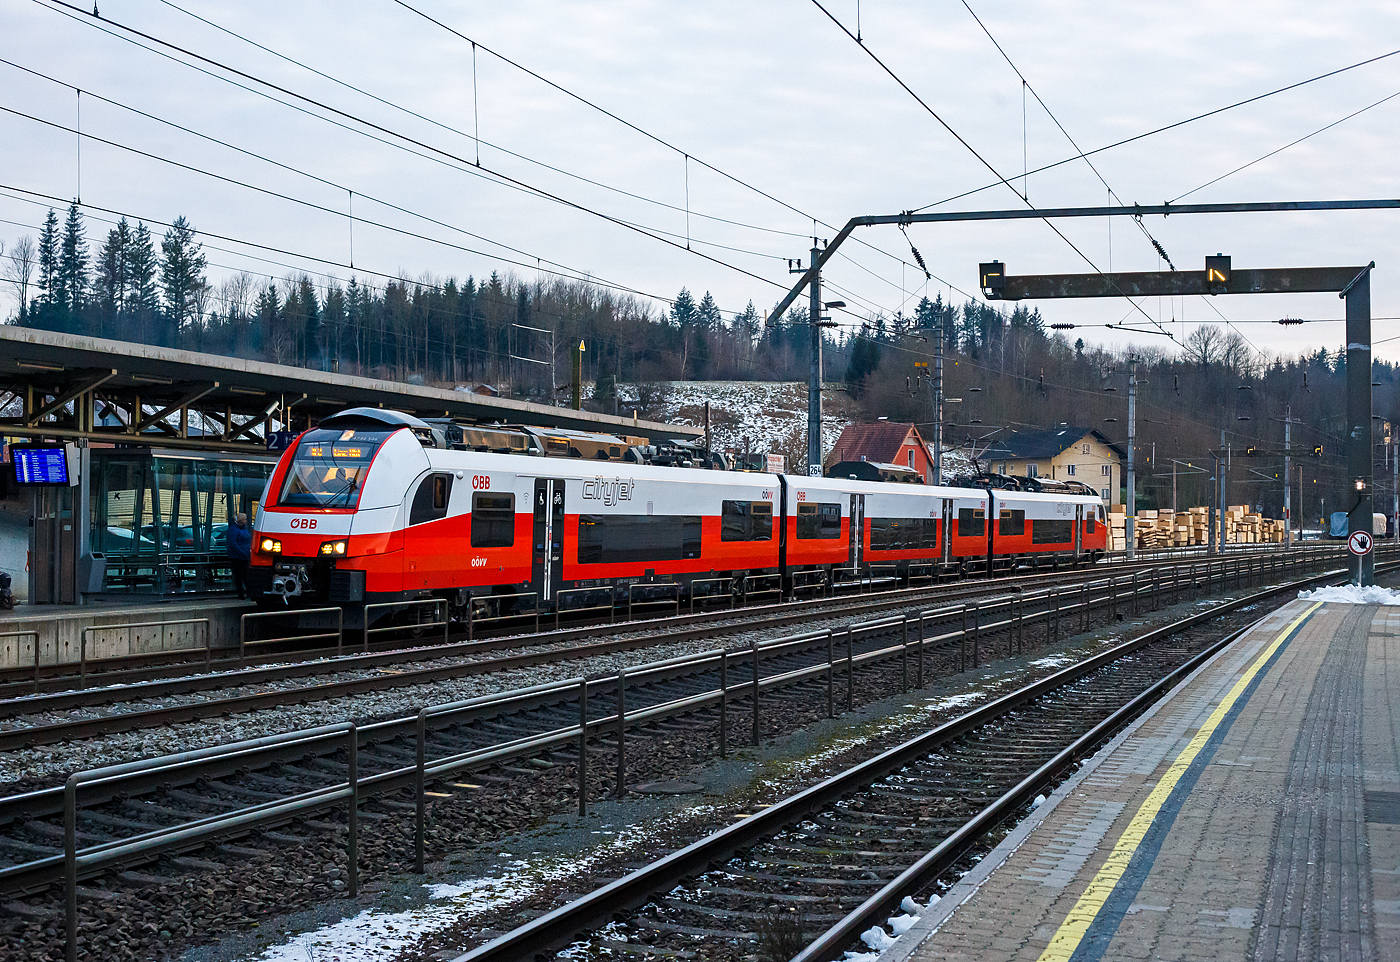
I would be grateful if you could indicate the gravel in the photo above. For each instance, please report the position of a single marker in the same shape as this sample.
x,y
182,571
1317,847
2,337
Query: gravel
x,y
31,766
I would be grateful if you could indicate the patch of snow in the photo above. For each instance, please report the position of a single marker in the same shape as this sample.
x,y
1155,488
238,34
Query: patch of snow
x,y
1039,801
1052,661
374,935
954,701
877,938
1352,595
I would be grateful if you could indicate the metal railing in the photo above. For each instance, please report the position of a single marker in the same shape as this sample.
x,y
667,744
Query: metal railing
x,y
726,591
439,604
243,642
77,862
610,607
1004,614
83,661
662,589
473,619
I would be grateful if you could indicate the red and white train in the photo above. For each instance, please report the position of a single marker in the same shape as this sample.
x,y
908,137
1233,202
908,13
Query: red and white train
x,y
372,506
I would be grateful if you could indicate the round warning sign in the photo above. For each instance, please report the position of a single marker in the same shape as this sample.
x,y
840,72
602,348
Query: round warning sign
x,y
1359,543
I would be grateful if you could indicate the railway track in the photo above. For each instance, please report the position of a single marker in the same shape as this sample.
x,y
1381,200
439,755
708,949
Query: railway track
x,y
106,678
393,670
206,804
818,868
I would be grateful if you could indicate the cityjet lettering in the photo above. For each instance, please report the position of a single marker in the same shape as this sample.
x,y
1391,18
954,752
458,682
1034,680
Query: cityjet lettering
x,y
608,491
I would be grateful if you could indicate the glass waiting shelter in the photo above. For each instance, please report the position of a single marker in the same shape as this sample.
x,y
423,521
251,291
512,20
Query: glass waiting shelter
x,y
160,518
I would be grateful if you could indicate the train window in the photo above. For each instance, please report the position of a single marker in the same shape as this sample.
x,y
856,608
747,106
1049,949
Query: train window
x,y
903,534
1089,523
1051,532
818,521
614,539
329,468
1012,522
430,501
493,520
972,523
746,521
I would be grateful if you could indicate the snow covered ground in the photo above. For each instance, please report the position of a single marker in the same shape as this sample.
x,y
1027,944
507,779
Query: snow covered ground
x,y
1353,595
772,415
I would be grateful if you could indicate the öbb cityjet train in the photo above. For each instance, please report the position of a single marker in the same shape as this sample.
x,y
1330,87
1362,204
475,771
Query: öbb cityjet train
x,y
375,506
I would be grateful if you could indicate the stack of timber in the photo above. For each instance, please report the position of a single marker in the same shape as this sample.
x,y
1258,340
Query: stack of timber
x,y
1156,530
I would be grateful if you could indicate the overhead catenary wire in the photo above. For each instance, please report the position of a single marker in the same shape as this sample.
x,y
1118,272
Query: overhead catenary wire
x,y
84,16
1025,86
1171,126
960,139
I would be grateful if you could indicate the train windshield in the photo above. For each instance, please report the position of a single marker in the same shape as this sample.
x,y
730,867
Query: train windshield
x,y
329,468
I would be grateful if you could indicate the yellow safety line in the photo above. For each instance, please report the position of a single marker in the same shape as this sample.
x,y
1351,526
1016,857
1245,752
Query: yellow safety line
x,y
1076,924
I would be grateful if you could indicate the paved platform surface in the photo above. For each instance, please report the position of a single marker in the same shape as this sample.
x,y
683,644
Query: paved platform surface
x,y
1255,814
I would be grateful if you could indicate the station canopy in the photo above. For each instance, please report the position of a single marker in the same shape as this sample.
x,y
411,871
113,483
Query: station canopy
x,y
70,386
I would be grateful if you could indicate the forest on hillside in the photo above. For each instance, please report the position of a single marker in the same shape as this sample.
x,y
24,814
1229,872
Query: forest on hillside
x,y
1214,393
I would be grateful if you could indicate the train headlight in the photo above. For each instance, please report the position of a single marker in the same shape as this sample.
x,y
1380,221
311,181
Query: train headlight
x,y
270,546
334,548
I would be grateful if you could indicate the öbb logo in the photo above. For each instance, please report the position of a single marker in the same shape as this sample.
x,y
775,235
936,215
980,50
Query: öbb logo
x,y
481,482
307,523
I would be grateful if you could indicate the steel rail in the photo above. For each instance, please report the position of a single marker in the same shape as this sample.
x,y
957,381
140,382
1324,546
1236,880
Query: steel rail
x,y
558,927
36,874
769,617
149,675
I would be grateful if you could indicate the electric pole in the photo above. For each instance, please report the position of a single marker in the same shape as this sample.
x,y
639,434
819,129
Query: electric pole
x,y
1287,463
1132,437
938,396
814,374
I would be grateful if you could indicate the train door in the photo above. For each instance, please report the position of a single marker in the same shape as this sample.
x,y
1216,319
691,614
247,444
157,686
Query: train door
x,y
947,530
1078,530
857,531
548,538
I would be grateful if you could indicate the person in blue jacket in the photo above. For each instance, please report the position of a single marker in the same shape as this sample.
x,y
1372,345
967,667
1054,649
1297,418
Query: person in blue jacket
x,y
240,550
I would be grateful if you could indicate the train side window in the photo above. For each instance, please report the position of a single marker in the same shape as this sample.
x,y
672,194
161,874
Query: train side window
x,y
972,523
1012,522
493,520
618,539
746,521
1089,525
1051,532
430,501
818,521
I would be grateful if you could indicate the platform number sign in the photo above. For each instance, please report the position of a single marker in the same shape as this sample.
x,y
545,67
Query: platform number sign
x,y
1360,543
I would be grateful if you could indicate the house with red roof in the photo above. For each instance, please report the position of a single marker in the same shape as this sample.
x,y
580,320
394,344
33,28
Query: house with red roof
x,y
884,442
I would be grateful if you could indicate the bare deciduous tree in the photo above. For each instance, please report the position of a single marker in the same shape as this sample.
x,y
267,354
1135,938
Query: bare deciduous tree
x,y
19,265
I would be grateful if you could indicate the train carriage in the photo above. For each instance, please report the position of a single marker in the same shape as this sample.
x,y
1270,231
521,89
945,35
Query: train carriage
x,y
374,506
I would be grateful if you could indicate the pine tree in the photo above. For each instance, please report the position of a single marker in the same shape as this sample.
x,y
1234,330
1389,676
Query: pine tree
x,y
333,317
142,295
73,266
49,244
114,272
707,315
683,312
181,271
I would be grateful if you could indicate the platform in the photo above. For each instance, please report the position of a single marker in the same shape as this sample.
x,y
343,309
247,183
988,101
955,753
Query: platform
x,y
57,630
1254,814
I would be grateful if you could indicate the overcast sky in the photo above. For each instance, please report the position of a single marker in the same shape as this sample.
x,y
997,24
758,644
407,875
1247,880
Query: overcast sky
x,y
772,94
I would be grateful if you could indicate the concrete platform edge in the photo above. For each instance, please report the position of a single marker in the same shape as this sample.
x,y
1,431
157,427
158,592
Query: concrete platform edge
x,y
967,886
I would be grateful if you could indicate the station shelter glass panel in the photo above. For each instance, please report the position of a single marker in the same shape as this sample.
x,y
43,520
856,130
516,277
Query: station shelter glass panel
x,y
161,518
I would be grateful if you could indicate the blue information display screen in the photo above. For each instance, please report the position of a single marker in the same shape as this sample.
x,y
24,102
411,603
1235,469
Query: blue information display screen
x,y
40,465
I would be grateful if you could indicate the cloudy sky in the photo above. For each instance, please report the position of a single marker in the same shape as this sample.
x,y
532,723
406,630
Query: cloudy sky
x,y
734,127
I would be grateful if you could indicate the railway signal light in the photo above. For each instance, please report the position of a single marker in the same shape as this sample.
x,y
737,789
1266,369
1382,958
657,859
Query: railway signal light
x,y
1317,450
1217,273
1251,451
992,277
